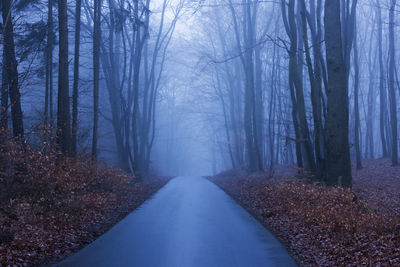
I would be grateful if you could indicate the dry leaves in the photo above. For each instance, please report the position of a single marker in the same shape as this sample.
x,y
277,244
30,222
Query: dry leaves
x,y
51,206
327,226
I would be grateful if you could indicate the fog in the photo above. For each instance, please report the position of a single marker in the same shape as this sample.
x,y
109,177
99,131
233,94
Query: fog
x,y
199,87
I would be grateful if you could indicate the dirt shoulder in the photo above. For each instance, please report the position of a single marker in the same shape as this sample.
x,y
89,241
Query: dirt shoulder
x,y
326,226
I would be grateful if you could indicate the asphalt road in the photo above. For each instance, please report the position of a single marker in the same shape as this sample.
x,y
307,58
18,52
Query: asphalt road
x,y
189,223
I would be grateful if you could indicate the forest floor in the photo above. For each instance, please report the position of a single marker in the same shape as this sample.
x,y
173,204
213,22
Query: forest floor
x,y
58,209
326,226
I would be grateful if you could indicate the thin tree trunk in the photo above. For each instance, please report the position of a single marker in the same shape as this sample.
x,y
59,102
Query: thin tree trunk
x,y
356,108
226,125
369,144
392,92
75,89
138,160
96,74
382,92
48,106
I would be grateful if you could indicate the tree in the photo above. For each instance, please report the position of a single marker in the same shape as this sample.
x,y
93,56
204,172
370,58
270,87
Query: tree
x,y
96,73
315,77
372,58
382,91
11,70
392,92
63,112
296,89
356,104
48,106
337,121
139,39
75,89
251,120
4,95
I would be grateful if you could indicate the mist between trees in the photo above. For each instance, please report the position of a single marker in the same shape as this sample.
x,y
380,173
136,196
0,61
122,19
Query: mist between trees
x,y
196,87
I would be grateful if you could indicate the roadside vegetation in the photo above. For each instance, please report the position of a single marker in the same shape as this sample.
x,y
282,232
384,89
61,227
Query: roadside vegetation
x,y
326,226
52,205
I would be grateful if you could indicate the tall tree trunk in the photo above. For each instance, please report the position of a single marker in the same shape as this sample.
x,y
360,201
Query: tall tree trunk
x,y
50,64
253,149
63,112
392,92
372,59
337,121
272,106
251,36
382,92
48,105
11,70
356,104
75,89
259,105
139,44
96,73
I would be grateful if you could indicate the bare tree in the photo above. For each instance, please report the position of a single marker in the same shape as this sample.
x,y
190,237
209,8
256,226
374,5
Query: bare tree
x,y
96,73
371,101
392,92
48,103
315,77
356,104
75,86
63,111
337,121
296,87
382,91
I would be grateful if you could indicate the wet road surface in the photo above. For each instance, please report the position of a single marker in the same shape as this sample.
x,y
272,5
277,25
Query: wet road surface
x,y
189,223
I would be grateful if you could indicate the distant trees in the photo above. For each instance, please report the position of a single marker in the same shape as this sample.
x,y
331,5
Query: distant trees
x,y
247,49
231,100
284,98
133,69
311,112
131,59
154,58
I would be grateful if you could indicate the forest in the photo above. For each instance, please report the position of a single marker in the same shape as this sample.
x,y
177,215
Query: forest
x,y
289,107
